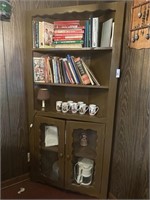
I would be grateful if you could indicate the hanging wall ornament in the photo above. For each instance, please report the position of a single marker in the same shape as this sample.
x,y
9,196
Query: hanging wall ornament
x,y
140,24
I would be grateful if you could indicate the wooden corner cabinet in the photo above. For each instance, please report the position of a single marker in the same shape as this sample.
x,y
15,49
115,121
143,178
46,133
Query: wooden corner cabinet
x,y
72,150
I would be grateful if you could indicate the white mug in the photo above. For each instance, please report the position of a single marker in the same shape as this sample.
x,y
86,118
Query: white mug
x,y
74,107
58,105
93,109
83,108
65,107
80,102
70,104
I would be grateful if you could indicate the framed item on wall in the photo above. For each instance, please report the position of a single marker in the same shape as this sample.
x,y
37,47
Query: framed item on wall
x,y
140,24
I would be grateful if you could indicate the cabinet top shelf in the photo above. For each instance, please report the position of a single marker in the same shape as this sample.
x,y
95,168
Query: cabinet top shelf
x,y
71,49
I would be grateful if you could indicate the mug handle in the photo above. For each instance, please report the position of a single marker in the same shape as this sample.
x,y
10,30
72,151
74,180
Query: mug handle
x,y
86,108
97,109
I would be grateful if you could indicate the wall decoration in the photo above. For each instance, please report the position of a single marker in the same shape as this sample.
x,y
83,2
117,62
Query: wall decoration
x,y
5,10
140,24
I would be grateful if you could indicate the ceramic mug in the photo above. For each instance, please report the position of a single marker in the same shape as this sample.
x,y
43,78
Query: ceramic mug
x,y
93,109
58,105
70,104
83,108
65,107
74,107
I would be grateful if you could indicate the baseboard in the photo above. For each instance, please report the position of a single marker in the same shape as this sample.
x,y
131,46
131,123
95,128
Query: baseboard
x,y
111,196
14,181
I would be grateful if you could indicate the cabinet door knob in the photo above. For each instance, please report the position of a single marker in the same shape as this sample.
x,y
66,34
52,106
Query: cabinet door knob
x,y
68,157
61,155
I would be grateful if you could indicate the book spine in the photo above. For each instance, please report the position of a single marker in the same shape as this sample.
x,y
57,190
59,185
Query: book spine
x,y
72,69
69,31
41,34
64,39
68,72
70,22
86,34
77,71
47,70
61,71
112,34
68,27
37,34
69,42
58,70
55,70
85,67
95,27
90,33
33,34
51,69
66,80
68,35
77,80
84,76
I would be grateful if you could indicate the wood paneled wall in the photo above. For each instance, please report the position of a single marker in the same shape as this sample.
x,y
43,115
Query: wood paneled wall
x,y
129,169
129,176
14,130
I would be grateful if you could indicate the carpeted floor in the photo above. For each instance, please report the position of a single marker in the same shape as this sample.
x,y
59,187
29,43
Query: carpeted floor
x,y
35,190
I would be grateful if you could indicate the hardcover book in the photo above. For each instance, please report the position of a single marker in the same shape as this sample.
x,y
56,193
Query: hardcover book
x,y
39,69
95,29
106,33
84,76
46,31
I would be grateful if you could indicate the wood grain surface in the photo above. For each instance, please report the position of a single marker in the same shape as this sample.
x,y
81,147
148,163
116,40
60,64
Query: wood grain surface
x,y
130,166
129,170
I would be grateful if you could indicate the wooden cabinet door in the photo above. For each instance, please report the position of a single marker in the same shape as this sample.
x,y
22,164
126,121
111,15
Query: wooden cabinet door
x,y
84,157
48,152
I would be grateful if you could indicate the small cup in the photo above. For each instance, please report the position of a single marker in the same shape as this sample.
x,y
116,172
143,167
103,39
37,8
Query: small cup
x,y
70,104
80,102
83,108
74,107
65,107
58,105
93,109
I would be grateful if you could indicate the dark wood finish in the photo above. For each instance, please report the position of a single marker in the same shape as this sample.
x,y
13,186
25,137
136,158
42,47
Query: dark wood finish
x,y
122,183
104,62
96,154
39,137
130,161
14,131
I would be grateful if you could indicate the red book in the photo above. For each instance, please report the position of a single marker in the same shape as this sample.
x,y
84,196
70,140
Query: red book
x,y
68,72
69,31
68,26
64,39
72,37
84,77
68,34
67,22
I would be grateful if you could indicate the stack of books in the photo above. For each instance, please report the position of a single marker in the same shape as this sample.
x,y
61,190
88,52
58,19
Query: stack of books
x,y
68,34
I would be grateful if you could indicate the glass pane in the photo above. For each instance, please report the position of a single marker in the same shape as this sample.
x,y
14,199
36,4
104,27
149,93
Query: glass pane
x,y
84,155
51,136
49,164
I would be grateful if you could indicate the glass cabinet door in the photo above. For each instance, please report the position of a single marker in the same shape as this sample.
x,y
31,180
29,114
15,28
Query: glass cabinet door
x,y
49,149
84,156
